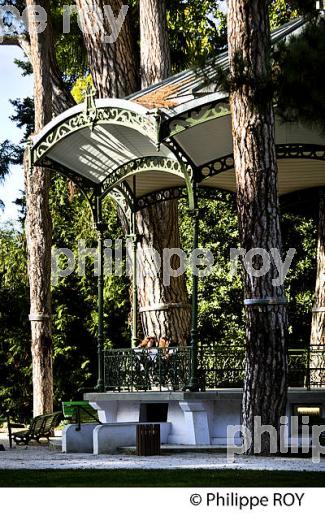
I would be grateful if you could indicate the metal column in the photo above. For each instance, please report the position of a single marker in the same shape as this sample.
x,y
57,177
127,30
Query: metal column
x,y
134,270
100,302
194,383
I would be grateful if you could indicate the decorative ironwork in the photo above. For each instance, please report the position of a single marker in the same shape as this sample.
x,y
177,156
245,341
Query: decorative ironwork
x,y
142,369
156,116
300,151
221,367
196,116
283,151
175,193
218,367
160,196
142,165
220,165
90,105
144,124
180,154
189,168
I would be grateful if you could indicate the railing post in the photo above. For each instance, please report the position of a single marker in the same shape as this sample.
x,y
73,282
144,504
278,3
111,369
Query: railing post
x,y
308,366
100,302
194,385
134,293
134,273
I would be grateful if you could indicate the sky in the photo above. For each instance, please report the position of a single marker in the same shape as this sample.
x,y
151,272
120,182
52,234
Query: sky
x,y
12,86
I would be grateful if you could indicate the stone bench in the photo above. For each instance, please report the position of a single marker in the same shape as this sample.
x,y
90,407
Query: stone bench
x,y
105,438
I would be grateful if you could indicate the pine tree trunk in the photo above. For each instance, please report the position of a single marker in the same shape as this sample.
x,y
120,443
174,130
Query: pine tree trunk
x,y
317,339
114,72
159,224
113,66
155,52
164,309
39,229
265,387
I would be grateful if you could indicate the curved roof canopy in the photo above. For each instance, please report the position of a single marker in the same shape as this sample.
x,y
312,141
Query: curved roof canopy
x,y
104,145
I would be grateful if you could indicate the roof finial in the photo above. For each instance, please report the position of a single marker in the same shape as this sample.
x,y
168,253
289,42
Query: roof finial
x,y
90,103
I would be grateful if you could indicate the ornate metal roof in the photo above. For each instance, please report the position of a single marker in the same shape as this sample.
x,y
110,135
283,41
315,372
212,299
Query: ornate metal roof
x,y
146,155
199,81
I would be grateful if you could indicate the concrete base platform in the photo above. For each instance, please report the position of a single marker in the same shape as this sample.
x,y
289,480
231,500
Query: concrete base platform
x,y
206,419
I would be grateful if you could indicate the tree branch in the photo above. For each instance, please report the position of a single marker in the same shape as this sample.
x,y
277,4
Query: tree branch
x,y
19,40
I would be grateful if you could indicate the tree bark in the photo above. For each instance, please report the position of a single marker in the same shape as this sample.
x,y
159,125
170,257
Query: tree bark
x,y
155,52
113,65
39,228
265,387
114,73
158,225
158,229
317,339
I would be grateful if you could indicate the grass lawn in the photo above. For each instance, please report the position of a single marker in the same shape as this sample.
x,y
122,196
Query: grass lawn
x,y
159,478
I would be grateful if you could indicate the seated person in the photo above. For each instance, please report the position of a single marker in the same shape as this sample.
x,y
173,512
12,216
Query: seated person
x,y
149,345
164,345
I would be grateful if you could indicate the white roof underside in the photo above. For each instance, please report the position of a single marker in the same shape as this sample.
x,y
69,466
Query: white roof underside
x,y
294,175
149,182
95,153
213,140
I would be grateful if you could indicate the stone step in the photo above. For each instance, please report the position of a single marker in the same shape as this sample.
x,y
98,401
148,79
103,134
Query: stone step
x,y
171,449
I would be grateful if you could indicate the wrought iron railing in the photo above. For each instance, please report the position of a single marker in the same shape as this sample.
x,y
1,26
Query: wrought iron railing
x,y
218,367
141,369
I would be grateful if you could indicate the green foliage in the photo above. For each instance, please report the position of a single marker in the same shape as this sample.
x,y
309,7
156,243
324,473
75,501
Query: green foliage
x,y
9,154
75,297
300,232
15,358
70,49
196,29
299,69
79,88
281,12
221,294
24,115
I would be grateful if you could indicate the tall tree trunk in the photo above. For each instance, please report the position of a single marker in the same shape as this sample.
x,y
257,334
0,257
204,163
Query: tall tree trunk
x,y
114,72
155,52
317,339
164,309
265,387
158,225
38,226
113,65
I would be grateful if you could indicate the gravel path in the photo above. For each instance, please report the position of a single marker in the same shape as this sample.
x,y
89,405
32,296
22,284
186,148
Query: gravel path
x,y
36,457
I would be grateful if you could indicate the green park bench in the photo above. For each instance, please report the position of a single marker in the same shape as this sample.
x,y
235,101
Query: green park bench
x,y
79,412
41,427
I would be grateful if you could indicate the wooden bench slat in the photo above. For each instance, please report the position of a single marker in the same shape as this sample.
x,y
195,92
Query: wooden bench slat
x,y
40,427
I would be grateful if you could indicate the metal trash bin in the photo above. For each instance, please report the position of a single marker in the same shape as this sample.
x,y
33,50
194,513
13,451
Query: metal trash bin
x,y
148,440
